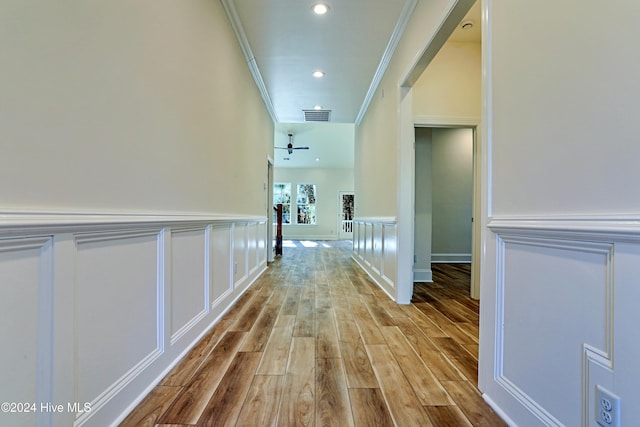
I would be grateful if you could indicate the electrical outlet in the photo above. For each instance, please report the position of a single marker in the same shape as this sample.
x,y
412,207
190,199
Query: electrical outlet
x,y
607,408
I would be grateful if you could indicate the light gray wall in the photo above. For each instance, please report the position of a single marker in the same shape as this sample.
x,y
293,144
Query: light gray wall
x,y
423,205
452,175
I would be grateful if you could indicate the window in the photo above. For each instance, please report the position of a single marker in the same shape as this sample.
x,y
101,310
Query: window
x,y
282,194
306,202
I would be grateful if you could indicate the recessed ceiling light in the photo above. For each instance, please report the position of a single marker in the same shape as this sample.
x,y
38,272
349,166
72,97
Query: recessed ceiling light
x,y
318,74
320,8
317,159
317,107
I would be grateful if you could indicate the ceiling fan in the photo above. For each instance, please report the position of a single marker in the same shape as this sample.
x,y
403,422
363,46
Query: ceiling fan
x,y
290,146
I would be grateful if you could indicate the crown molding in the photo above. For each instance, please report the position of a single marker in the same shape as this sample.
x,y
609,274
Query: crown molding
x,y
398,31
238,29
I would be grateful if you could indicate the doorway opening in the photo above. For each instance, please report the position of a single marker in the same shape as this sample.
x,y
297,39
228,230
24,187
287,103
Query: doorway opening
x,y
444,198
346,209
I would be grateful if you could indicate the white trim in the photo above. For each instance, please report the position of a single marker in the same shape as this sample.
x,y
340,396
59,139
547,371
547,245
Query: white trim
x,y
449,20
499,411
422,275
398,31
377,219
112,391
446,121
18,222
450,258
405,197
619,228
365,267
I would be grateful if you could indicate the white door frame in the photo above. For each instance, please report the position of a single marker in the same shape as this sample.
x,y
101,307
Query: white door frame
x,y
474,124
406,159
269,184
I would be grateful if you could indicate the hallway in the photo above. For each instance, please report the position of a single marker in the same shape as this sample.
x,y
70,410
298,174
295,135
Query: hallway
x,y
315,342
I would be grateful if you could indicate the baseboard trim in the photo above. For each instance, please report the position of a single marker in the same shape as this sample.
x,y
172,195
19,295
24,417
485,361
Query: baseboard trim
x,y
422,275
451,258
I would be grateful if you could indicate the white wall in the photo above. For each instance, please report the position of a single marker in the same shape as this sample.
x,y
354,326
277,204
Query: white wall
x,y
559,274
115,117
329,183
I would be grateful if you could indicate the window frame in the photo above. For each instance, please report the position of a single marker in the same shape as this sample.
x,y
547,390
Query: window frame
x,y
281,194
308,204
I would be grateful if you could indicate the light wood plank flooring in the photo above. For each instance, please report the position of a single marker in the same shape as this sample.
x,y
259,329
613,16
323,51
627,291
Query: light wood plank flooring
x,y
315,342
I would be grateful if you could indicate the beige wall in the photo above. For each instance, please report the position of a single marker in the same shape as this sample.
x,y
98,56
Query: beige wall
x,y
377,137
128,106
451,84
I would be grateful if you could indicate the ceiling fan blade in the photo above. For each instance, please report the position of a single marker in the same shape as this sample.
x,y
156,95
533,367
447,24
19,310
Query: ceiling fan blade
x,y
300,148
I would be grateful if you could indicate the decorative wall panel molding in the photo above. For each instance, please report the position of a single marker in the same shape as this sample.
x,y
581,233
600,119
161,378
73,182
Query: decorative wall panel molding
x,y
547,277
116,291
126,294
189,280
26,288
374,249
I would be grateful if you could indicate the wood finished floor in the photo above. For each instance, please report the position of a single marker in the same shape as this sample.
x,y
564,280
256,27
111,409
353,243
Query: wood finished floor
x,y
315,342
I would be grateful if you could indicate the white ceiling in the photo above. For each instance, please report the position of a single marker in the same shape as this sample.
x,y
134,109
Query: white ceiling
x,y
285,42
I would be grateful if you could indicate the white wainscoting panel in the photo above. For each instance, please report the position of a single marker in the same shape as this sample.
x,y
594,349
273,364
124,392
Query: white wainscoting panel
x,y
252,247
375,250
544,285
240,254
565,318
377,247
127,296
262,244
25,291
390,253
116,311
189,284
221,259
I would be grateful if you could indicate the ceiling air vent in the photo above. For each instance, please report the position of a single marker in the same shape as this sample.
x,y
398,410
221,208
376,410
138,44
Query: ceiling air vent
x,y
316,115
